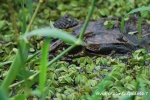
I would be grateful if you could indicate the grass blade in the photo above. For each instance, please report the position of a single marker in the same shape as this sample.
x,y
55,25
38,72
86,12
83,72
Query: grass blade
x,y
87,19
43,66
32,56
53,32
5,63
3,96
140,30
131,12
15,67
139,9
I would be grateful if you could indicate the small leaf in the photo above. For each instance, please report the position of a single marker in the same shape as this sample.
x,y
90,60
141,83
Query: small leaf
x,y
91,83
3,25
51,24
81,78
116,75
132,33
139,9
107,84
73,96
129,86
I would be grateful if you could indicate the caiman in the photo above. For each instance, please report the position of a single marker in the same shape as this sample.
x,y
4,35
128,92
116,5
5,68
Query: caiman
x,y
102,40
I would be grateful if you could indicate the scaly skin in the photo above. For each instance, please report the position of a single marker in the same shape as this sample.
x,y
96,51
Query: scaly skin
x,y
99,38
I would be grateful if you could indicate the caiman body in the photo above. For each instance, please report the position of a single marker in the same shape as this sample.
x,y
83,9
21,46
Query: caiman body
x,y
101,40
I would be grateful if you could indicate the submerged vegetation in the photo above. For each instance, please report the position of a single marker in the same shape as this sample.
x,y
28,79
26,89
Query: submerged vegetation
x,y
28,73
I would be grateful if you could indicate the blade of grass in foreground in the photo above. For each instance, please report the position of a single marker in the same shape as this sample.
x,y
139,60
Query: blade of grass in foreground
x,y
87,19
15,66
43,66
3,96
53,32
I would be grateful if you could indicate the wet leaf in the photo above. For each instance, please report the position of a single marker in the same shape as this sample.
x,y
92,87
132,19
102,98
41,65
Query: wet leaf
x,y
91,83
139,53
107,84
93,75
52,75
129,86
109,24
89,68
81,79
116,75
128,79
68,91
73,96
3,24
116,89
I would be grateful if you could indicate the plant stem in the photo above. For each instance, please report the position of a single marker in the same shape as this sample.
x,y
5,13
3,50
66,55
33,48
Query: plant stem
x,y
62,54
33,17
140,29
15,84
13,20
87,20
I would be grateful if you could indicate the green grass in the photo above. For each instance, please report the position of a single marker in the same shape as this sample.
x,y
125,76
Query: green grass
x,y
83,78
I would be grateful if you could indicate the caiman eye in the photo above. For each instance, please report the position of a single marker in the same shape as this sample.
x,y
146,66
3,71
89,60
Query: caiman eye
x,y
67,16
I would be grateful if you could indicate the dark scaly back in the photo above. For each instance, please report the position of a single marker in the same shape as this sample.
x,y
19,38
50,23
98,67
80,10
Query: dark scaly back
x,y
65,22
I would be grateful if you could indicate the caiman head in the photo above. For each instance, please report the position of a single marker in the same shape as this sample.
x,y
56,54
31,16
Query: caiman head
x,y
65,22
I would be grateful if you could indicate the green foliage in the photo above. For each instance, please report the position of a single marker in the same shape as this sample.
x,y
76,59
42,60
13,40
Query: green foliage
x,y
82,78
109,24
